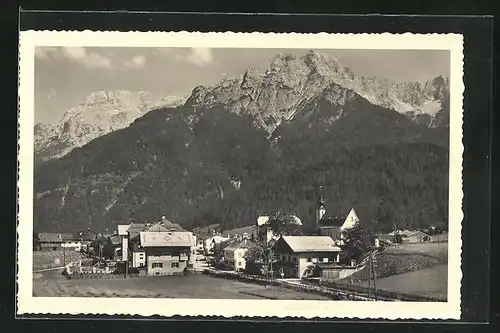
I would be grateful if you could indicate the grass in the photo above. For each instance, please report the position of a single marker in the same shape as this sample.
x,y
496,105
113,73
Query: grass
x,y
431,281
403,259
52,284
51,259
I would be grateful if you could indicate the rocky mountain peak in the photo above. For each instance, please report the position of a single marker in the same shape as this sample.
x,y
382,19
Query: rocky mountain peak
x,y
99,113
290,84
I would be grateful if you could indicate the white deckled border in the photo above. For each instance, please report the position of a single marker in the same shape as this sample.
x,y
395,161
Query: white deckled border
x,y
27,304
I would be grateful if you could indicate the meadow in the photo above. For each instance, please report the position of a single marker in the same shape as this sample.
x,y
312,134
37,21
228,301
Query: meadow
x,y
52,259
420,269
53,284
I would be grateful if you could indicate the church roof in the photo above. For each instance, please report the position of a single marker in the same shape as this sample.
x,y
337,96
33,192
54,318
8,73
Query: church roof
x,y
331,221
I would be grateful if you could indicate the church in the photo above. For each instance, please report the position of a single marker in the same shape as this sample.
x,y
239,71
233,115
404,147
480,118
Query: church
x,y
333,226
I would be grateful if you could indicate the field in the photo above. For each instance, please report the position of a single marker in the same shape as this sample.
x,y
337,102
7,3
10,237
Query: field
x,y
433,250
426,282
419,269
403,259
52,284
51,259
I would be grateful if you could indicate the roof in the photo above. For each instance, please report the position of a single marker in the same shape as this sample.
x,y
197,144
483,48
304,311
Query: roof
x,y
158,227
407,233
169,225
135,228
167,239
89,237
311,243
122,229
242,244
331,221
239,231
328,265
54,237
207,230
261,220
217,237
115,239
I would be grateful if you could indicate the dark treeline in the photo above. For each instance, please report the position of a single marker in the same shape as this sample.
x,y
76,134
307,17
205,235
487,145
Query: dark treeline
x,y
218,168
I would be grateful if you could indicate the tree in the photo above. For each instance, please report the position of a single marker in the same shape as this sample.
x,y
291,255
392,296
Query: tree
x,y
358,241
254,254
283,224
219,250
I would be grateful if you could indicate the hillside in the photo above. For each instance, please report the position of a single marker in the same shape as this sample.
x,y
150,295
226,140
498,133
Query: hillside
x,y
215,160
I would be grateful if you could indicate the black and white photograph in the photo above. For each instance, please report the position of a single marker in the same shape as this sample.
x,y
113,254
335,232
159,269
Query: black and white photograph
x,y
324,175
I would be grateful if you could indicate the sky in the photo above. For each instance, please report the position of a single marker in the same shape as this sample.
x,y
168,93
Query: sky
x,y
64,76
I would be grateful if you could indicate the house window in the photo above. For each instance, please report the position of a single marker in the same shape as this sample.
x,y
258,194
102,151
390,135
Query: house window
x,y
175,265
240,263
309,259
141,256
294,259
314,259
157,265
325,259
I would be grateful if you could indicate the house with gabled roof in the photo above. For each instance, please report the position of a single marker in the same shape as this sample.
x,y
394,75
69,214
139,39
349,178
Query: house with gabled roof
x,y
167,252
234,253
298,254
53,241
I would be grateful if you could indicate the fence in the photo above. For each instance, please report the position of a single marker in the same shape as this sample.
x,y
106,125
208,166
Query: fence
x,y
316,289
379,293
98,276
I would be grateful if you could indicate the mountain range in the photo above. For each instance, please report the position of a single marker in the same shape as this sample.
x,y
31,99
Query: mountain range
x,y
99,113
261,142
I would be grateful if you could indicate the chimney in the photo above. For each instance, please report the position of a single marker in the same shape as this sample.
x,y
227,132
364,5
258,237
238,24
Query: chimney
x,y
163,218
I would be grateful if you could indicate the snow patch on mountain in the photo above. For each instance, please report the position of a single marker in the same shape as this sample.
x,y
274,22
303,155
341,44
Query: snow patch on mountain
x,y
98,114
290,84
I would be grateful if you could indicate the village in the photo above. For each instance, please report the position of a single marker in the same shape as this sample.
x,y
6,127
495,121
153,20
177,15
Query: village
x,y
275,250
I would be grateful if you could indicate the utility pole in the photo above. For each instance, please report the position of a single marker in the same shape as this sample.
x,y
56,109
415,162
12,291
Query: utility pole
x,y
374,264
370,276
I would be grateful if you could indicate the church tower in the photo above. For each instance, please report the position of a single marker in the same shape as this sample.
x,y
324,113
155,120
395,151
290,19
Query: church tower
x,y
320,207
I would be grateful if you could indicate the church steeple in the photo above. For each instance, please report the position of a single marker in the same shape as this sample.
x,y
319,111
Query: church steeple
x,y
321,201
320,207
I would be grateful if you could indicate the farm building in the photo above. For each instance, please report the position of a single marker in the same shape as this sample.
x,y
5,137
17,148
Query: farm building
x,y
167,252
406,236
235,252
297,254
53,241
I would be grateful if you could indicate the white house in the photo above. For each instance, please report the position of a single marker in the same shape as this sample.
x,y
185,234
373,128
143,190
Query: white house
x,y
123,233
298,254
234,254
211,241
351,220
72,245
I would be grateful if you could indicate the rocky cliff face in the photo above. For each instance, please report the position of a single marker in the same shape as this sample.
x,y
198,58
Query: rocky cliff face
x,y
290,84
100,113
